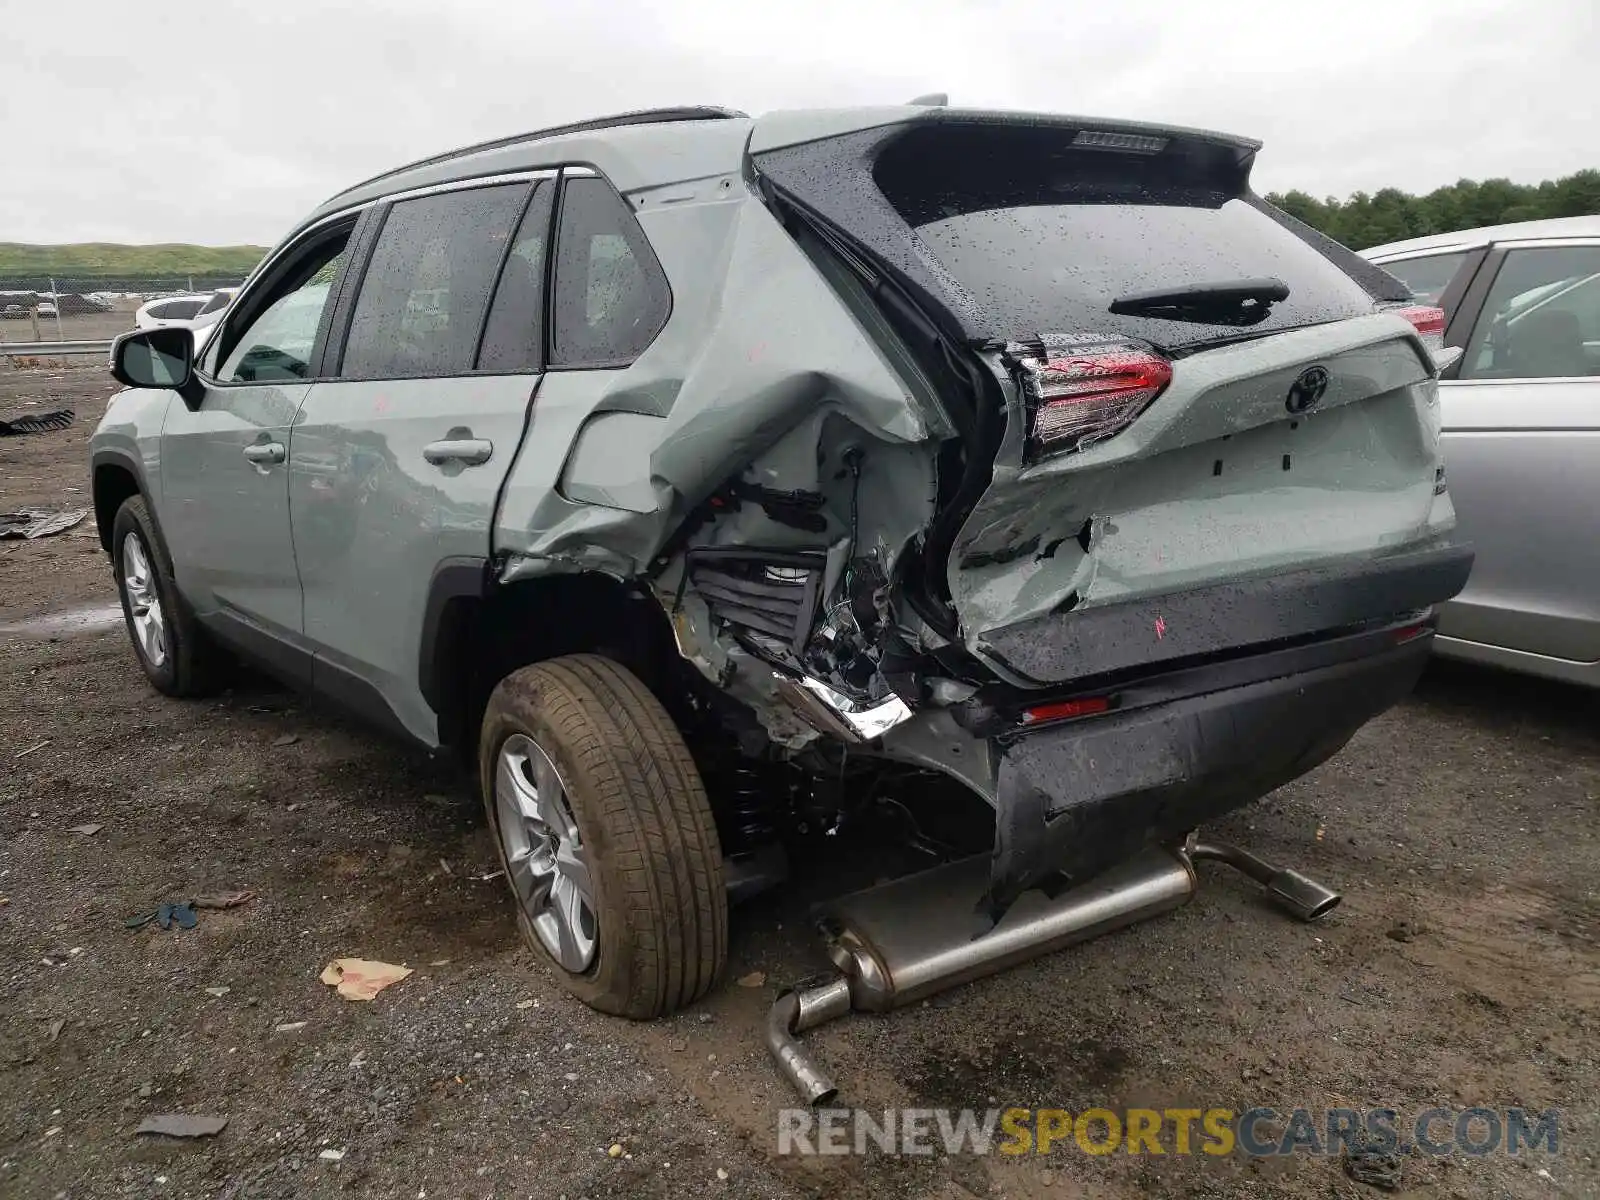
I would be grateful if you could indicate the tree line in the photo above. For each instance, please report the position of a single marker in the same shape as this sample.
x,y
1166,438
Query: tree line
x,y
1391,215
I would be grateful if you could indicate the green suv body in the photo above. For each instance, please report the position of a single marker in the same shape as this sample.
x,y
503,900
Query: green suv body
x,y
1034,452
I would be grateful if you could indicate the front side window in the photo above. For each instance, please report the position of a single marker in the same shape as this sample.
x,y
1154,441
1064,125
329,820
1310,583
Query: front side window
x,y
611,297
1427,277
277,343
426,289
1541,319
175,310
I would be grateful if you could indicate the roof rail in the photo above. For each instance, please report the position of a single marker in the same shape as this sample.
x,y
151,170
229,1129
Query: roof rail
x,y
644,116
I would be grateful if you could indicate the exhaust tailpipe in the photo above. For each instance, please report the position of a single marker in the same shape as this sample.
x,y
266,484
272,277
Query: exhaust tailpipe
x,y
1303,899
911,938
908,939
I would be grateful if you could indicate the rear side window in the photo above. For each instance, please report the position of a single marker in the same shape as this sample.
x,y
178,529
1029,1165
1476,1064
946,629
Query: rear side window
x,y
1427,277
176,310
513,337
427,286
1046,234
611,297
1541,319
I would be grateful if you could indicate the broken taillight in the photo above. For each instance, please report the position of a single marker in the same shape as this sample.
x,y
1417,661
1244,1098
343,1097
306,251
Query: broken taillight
x,y
1083,396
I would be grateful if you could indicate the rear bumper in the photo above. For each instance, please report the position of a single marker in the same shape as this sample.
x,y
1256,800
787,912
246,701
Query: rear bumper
x,y
1076,798
1222,617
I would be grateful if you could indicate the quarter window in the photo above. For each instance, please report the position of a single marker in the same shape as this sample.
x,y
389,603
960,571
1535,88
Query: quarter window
x,y
427,286
611,297
1541,319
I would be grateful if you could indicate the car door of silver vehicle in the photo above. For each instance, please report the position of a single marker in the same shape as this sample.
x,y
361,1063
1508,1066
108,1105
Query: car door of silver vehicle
x,y
224,454
1522,452
396,462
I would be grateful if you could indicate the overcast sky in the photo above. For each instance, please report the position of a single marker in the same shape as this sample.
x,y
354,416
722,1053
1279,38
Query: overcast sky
x,y
224,122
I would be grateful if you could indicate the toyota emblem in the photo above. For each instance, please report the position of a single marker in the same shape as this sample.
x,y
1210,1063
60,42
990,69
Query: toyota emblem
x,y
1307,391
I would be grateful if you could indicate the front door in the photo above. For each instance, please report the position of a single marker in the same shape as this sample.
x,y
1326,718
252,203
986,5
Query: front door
x,y
397,460
225,469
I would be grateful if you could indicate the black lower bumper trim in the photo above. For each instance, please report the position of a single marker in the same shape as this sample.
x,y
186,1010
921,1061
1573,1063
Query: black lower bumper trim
x,y
1078,798
1221,617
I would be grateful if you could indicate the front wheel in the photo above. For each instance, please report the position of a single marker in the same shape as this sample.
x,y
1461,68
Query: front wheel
x,y
605,834
174,651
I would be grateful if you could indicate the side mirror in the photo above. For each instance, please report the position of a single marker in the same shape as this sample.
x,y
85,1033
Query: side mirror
x,y
154,358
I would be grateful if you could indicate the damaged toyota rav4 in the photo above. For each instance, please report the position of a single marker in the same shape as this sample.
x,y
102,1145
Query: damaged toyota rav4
x,y
682,468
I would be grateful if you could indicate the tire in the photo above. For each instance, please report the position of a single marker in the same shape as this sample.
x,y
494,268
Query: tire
x,y
642,826
188,662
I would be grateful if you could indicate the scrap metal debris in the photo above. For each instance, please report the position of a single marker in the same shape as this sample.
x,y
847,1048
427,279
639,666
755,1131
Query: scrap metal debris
x,y
36,422
31,523
181,1125
361,978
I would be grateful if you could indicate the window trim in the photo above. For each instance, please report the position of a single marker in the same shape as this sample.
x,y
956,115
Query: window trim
x,y
1477,296
344,314
245,305
584,171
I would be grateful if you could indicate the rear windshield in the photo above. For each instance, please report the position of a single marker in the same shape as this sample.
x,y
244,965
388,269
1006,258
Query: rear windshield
x,y
1046,235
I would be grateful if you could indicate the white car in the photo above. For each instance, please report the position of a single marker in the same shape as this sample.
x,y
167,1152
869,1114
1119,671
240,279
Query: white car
x,y
198,312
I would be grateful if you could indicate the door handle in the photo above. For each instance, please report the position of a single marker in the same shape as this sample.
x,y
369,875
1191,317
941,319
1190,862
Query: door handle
x,y
470,451
265,452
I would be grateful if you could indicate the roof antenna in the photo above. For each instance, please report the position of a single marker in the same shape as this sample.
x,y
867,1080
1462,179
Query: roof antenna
x,y
933,100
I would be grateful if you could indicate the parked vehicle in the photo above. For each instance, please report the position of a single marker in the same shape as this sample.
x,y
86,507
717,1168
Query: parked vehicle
x,y
797,455
1521,412
46,308
13,312
168,310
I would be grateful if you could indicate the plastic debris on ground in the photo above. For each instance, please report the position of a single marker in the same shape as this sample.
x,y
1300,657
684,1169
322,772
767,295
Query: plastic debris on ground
x,y
36,422
182,1125
182,915
31,523
86,830
362,978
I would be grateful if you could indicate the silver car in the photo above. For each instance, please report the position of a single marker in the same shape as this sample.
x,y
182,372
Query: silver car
x,y
1521,436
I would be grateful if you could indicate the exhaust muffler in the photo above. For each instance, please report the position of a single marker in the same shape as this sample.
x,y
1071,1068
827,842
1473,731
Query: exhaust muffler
x,y
907,940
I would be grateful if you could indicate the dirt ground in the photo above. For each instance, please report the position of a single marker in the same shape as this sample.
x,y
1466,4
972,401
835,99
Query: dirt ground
x,y
1463,968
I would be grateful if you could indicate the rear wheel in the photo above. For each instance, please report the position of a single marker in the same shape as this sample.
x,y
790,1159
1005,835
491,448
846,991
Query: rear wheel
x,y
606,835
174,651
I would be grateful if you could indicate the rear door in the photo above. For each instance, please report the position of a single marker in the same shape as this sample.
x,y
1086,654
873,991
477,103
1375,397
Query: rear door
x,y
398,460
1521,447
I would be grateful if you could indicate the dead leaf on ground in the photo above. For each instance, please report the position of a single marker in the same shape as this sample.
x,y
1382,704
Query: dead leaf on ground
x,y
222,900
362,978
753,980
182,1125
56,1027
287,739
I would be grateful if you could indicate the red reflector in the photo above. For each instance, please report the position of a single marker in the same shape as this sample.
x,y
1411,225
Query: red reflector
x,y
1088,396
1411,632
1064,709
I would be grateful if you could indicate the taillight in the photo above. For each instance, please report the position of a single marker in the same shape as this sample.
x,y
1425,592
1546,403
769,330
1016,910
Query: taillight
x,y
1080,397
1427,321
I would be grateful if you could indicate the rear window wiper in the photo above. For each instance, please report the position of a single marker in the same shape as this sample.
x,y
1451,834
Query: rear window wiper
x,y
1235,302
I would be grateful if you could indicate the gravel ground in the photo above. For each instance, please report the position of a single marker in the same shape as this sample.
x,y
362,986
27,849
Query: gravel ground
x,y
1463,968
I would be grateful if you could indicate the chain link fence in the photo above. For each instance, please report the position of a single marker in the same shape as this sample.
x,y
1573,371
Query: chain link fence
x,y
45,308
